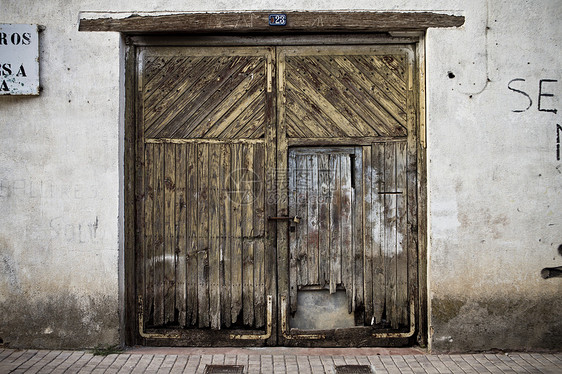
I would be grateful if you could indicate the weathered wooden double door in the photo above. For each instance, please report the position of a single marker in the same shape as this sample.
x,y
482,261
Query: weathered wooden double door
x,y
276,195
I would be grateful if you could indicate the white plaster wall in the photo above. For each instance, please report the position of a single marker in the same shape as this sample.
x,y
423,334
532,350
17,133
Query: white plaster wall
x,y
494,180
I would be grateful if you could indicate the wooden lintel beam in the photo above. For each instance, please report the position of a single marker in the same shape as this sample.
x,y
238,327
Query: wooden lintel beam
x,y
258,22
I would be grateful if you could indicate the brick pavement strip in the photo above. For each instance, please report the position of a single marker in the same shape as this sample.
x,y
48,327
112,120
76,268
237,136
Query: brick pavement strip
x,y
70,362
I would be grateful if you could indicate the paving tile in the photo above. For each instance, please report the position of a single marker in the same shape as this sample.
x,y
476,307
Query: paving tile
x,y
105,364
116,365
71,362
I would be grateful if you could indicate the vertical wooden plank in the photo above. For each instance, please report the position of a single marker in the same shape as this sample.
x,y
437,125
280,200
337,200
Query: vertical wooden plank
x,y
203,234
236,261
312,219
181,232
369,219
158,232
323,219
225,232
402,304
390,234
346,229
135,247
282,189
271,268
247,234
293,237
150,247
191,238
169,232
214,238
259,234
302,211
358,248
335,223
377,229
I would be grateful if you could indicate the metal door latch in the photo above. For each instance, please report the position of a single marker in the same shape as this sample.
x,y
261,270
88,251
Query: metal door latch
x,y
294,219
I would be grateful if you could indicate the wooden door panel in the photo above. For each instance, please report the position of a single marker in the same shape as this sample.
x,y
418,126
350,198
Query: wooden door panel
x,y
344,92
205,235
205,121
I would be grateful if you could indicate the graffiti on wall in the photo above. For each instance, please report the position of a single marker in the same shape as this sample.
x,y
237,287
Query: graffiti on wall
x,y
544,101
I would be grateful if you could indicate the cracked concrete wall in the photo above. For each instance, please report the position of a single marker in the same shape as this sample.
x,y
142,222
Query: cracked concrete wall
x,y
494,174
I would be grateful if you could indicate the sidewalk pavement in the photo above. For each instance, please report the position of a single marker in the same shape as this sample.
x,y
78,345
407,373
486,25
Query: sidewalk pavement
x,y
275,360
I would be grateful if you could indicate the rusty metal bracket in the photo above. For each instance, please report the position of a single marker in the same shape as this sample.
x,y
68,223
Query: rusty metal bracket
x,y
267,334
285,325
402,334
151,335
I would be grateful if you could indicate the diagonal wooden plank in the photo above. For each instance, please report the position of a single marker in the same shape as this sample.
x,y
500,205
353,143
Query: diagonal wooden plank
x,y
239,121
188,87
380,101
393,66
190,101
172,85
230,107
230,82
314,107
308,117
329,105
395,92
163,81
384,121
329,84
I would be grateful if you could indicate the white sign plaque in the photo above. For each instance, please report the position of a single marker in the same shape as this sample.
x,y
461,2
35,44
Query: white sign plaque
x,y
19,59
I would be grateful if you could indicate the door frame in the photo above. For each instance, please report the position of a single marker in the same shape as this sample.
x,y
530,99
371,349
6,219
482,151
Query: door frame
x,y
130,316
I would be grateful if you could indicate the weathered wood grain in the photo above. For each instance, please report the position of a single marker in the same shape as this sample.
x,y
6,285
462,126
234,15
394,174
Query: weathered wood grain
x,y
302,196
323,219
258,185
357,232
335,224
312,219
181,233
259,22
158,232
377,230
293,237
368,221
149,236
247,222
225,224
203,235
169,257
402,292
346,219
236,197
390,233
214,238
191,239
